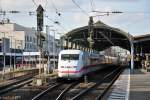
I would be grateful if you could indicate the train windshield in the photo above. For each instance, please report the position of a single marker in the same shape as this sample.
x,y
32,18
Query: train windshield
x,y
70,57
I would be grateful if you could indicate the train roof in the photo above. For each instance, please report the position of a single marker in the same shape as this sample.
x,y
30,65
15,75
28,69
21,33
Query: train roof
x,y
70,51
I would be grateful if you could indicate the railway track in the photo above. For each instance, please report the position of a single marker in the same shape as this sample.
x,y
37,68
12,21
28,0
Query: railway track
x,y
25,90
77,90
16,83
99,89
54,92
11,76
92,90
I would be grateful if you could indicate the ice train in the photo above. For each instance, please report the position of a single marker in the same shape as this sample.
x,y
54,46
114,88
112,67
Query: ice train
x,y
73,64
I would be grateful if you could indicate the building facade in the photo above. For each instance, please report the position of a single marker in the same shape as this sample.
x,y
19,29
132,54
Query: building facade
x,y
24,39
20,37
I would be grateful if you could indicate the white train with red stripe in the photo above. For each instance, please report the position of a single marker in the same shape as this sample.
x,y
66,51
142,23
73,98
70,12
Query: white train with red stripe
x,y
76,63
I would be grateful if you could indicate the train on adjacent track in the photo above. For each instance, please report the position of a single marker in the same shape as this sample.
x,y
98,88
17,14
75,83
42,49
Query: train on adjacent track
x,y
73,64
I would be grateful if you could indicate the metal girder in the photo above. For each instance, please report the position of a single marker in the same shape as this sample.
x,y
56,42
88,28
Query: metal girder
x,y
109,40
113,36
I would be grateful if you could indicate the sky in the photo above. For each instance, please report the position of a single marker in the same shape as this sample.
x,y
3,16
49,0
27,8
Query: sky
x,y
135,18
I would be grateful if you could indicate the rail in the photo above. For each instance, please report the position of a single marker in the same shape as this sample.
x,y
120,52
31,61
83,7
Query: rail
x,y
79,95
15,85
38,96
66,90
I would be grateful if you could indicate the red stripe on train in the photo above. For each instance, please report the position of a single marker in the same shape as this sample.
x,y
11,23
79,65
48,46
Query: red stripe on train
x,y
83,68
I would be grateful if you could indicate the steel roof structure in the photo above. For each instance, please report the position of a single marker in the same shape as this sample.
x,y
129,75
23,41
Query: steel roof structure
x,y
104,36
142,43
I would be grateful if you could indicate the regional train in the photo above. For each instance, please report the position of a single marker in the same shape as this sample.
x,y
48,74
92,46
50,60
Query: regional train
x,y
73,64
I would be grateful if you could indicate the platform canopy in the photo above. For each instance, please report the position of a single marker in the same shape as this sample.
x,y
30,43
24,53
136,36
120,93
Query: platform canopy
x,y
103,36
142,43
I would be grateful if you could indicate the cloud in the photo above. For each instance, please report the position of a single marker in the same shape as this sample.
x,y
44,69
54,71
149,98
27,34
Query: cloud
x,y
73,17
60,5
107,8
79,17
75,20
16,4
119,0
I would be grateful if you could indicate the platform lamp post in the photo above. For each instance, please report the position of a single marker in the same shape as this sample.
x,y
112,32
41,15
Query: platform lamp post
x,y
48,51
48,48
130,38
13,43
10,51
20,42
30,50
54,49
68,39
26,50
132,52
14,54
4,62
22,45
61,41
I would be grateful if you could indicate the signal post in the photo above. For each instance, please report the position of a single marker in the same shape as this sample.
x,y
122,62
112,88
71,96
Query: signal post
x,y
40,39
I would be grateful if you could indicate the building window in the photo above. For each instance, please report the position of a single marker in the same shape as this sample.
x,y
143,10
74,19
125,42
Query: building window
x,y
27,38
30,46
30,39
25,45
34,40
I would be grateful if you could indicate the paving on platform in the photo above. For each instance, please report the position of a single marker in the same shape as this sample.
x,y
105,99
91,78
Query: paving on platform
x,y
139,85
120,89
131,85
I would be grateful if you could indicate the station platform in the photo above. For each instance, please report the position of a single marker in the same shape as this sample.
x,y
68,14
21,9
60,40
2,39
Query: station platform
x,y
131,85
139,85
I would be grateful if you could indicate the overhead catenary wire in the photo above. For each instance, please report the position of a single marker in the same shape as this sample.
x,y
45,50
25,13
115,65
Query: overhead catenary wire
x,y
53,5
55,22
0,5
56,10
136,21
76,11
46,2
92,5
80,8
34,3
46,16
